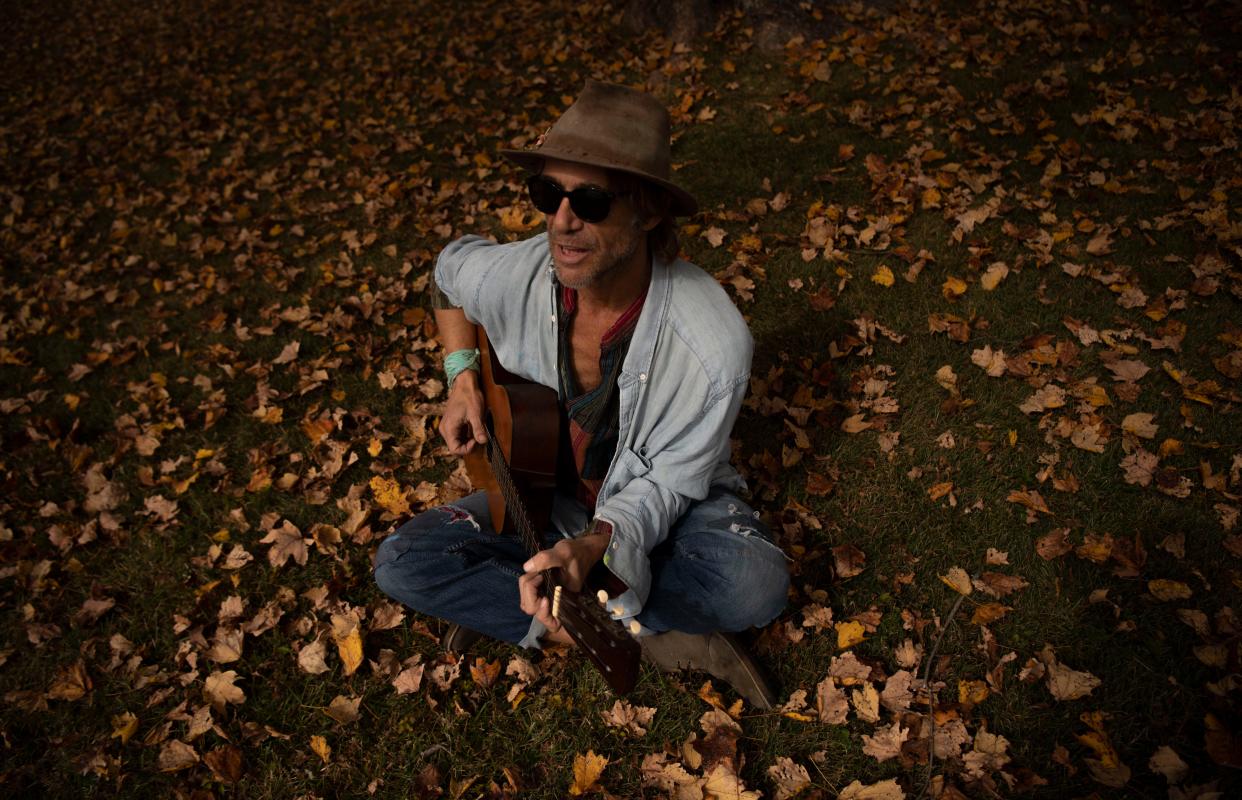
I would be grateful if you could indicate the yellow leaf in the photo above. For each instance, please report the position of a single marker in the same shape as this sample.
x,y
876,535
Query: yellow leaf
x,y
124,726
939,490
971,692
993,276
953,288
958,580
321,747
388,494
587,769
374,448
1169,590
883,276
350,648
849,633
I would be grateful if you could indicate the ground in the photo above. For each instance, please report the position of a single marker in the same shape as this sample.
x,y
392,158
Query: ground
x,y
990,254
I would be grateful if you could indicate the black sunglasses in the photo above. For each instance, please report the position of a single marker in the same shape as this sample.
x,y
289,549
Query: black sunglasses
x,y
589,203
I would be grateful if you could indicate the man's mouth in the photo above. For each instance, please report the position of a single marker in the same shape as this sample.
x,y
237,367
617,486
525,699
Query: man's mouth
x,y
568,254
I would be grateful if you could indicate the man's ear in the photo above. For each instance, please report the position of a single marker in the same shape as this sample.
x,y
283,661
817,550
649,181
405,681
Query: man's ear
x,y
650,223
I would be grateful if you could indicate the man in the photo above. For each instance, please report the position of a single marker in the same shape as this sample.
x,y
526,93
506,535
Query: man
x,y
650,360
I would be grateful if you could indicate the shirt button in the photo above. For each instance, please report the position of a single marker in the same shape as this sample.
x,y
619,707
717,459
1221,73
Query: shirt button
x,y
642,378
615,545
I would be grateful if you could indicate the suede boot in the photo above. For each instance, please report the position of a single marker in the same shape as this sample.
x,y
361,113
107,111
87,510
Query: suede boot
x,y
721,655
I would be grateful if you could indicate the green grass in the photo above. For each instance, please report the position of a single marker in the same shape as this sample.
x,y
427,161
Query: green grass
x,y
169,121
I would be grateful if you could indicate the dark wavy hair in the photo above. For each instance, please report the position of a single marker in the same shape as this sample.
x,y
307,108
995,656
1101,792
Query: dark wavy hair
x,y
651,200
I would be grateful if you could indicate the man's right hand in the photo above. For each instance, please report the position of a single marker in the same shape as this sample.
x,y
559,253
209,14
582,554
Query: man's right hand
x,y
462,423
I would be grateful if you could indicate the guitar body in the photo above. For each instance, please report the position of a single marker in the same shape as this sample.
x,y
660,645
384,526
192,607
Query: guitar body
x,y
525,419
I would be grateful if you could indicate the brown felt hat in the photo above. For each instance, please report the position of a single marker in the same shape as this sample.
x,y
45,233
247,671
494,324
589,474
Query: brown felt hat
x,y
613,127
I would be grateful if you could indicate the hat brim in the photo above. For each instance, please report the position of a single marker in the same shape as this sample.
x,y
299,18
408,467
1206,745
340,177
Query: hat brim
x,y
684,204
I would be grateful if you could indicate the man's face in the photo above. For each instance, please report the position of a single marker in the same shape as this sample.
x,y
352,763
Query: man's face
x,y
591,255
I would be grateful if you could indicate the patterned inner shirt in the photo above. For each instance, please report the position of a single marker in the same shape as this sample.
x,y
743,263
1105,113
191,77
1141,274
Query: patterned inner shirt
x,y
592,418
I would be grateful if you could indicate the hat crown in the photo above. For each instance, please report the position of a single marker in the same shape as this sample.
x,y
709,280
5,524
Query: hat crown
x,y
613,126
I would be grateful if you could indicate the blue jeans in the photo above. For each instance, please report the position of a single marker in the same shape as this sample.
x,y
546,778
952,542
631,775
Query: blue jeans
x,y
717,570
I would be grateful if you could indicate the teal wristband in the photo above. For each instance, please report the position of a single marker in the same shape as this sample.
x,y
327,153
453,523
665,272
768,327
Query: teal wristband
x,y
458,361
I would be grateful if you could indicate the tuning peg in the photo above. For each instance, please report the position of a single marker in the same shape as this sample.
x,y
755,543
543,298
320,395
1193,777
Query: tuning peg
x,y
602,596
635,627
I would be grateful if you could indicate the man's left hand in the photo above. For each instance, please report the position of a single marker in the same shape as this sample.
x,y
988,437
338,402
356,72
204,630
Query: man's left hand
x,y
574,558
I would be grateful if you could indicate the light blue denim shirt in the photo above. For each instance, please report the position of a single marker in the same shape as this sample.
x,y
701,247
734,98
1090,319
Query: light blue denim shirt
x,y
681,387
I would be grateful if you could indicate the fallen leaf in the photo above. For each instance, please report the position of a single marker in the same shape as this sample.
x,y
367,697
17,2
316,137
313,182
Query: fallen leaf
x,y
848,560
321,748
790,777
886,743
409,680
884,790
1068,684
176,755
722,783
849,633
311,658
286,543
866,702
225,763
1139,424
390,496
348,637
219,690
587,770
1167,590
988,613
994,274
957,580
344,709
71,682
1165,761
831,703
629,718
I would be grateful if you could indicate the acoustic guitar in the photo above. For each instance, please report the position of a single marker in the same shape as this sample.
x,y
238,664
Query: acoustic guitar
x,y
517,468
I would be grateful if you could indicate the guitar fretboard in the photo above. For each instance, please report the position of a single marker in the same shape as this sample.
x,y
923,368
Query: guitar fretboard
x,y
515,507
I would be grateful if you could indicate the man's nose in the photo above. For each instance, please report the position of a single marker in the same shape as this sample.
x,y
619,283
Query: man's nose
x,y
565,219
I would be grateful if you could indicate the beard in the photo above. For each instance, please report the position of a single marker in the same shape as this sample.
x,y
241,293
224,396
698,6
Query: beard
x,y
600,263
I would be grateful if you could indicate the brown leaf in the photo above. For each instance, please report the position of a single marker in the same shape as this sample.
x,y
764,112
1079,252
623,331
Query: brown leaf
x,y
1031,499
848,560
988,613
884,790
830,702
344,709
311,658
225,763
484,672
409,680
286,542
219,690
789,777
1053,544
176,755
71,682
886,743
629,718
